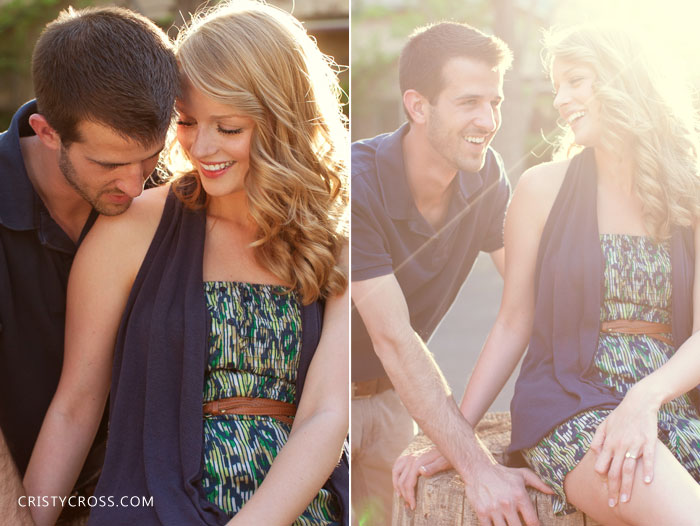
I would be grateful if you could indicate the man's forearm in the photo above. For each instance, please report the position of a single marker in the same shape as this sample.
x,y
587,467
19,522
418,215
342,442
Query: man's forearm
x,y
11,490
427,397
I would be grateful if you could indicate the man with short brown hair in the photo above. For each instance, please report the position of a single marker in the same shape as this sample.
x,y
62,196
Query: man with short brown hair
x,y
426,199
105,81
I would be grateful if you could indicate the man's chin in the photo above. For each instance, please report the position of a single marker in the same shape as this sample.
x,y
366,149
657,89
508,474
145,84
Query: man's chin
x,y
111,209
474,164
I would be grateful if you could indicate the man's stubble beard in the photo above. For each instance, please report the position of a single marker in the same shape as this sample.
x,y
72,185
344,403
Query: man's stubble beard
x,y
71,176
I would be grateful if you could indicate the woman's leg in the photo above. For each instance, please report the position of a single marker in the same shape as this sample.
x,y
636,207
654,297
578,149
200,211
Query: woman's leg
x,y
673,497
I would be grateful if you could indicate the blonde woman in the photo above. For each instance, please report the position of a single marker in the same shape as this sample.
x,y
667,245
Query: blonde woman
x,y
601,249
204,302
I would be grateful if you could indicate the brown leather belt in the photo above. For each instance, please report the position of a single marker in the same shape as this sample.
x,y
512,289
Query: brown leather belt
x,y
242,405
650,328
370,387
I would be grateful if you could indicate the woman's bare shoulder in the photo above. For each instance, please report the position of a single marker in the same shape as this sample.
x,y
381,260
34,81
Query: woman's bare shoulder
x,y
139,221
537,190
545,178
124,239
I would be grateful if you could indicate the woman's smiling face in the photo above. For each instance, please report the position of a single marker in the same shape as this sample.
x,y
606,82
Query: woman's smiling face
x,y
216,138
575,100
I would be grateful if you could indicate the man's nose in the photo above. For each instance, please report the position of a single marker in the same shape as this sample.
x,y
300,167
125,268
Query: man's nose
x,y
487,119
132,179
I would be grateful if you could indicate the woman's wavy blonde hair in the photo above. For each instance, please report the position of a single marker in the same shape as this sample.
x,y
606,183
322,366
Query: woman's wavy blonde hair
x,y
259,60
641,109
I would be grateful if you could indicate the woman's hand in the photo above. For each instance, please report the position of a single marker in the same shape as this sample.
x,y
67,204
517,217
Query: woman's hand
x,y
627,436
410,466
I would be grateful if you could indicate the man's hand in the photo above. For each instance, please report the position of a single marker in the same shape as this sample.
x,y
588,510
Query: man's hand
x,y
497,495
11,490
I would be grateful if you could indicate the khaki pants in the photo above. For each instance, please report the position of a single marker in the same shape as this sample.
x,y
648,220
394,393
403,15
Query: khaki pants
x,y
381,430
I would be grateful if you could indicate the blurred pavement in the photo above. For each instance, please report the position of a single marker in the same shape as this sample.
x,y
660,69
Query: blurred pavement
x,y
458,340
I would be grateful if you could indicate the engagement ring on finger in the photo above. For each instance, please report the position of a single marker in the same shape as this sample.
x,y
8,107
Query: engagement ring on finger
x,y
630,455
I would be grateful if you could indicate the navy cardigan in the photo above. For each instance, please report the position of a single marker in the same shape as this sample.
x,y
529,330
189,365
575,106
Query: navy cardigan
x,y
557,379
155,441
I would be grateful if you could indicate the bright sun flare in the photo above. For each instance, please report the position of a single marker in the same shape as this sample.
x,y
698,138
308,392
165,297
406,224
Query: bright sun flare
x,y
668,27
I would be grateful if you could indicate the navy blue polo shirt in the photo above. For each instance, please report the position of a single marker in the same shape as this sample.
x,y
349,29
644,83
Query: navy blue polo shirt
x,y
35,259
389,235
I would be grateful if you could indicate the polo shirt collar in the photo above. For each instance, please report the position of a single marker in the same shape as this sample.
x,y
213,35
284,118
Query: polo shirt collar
x,y
391,175
469,184
396,193
17,195
21,208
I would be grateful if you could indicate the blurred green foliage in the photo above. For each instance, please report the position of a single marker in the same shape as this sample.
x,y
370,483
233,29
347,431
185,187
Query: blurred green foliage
x,y
18,19
21,22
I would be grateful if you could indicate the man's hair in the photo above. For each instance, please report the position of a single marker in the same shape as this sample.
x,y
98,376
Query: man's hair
x,y
430,47
106,65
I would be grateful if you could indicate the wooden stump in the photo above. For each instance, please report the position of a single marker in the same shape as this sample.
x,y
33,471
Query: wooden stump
x,y
440,499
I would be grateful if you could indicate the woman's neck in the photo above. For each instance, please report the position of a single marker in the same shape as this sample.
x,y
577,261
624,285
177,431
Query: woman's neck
x,y
232,207
615,168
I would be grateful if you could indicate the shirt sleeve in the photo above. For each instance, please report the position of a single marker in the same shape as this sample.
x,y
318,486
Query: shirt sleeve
x,y
493,240
370,256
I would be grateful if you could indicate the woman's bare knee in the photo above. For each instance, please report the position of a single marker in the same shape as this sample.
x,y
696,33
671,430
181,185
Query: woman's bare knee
x,y
672,497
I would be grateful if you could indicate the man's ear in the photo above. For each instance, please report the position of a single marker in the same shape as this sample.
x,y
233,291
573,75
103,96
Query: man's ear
x,y
47,135
416,105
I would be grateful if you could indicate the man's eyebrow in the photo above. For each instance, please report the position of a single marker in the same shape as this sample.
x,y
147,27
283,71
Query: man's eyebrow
x,y
107,163
156,154
468,96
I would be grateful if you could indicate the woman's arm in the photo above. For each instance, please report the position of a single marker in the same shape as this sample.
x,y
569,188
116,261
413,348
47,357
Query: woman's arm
x,y
320,426
632,426
98,288
509,336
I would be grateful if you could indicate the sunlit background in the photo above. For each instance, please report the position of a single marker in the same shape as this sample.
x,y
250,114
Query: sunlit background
x,y
21,22
380,28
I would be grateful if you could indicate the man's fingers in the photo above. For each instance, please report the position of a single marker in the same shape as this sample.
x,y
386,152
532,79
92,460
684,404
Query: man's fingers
x,y
511,517
484,519
531,479
527,510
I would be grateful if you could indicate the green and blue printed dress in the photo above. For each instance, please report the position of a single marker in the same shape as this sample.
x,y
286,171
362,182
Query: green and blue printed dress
x,y
254,347
637,287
